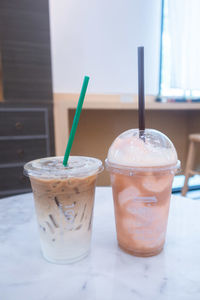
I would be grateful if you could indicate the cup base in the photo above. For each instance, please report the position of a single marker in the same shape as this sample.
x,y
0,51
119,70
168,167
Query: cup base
x,y
66,261
139,253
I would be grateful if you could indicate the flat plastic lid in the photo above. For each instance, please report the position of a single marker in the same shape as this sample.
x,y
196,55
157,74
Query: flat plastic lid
x,y
142,150
52,167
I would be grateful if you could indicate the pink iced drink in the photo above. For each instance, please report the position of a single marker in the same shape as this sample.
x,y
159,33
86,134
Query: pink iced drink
x,y
142,167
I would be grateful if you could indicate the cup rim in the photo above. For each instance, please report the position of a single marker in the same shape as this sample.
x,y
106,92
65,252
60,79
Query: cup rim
x,y
32,168
130,170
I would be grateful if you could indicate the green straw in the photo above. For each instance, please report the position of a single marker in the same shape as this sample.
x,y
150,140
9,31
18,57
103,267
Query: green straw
x,y
76,120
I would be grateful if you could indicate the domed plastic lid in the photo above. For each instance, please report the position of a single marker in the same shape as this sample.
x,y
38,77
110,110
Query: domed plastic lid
x,y
142,149
52,167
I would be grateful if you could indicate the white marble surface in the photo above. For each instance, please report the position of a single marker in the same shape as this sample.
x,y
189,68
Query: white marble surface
x,y
107,273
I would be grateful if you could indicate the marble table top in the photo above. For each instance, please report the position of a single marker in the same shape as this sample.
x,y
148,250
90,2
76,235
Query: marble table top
x,y
108,272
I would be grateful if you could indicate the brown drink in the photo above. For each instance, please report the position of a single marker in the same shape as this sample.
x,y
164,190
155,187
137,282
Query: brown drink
x,y
142,172
64,199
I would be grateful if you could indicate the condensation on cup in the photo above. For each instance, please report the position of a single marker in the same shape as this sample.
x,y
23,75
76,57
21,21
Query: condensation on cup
x,y
64,200
142,165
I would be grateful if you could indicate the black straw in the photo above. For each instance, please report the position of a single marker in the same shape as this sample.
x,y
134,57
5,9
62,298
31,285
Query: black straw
x,y
141,103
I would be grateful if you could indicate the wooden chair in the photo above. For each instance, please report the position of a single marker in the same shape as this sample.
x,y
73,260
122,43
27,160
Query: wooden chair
x,y
193,138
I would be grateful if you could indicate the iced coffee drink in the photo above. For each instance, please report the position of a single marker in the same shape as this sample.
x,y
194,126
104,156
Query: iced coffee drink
x,y
142,167
64,199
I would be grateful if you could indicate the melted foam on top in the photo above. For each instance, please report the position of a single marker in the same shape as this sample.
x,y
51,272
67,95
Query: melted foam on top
x,y
152,149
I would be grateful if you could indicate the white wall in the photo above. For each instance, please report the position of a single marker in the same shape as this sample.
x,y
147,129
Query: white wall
x,y
100,38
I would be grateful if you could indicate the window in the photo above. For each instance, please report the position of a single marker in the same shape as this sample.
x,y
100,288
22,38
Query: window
x,y
180,49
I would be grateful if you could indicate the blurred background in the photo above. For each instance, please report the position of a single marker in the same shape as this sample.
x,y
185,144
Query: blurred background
x,y
46,48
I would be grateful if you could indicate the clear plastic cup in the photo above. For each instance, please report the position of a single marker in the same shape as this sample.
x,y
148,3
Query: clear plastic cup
x,y
64,199
142,165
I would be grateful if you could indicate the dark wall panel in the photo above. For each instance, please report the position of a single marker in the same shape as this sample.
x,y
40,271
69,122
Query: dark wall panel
x,y
26,114
25,50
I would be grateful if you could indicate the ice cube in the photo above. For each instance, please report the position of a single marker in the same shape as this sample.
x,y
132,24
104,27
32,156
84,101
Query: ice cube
x,y
128,194
157,184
